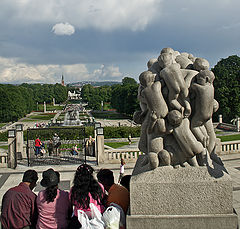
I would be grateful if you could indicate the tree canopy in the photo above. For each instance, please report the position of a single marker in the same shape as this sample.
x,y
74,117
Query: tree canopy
x,y
227,87
123,97
19,100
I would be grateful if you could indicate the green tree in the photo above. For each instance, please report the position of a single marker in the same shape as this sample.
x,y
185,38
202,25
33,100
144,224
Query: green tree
x,y
124,98
227,87
95,95
128,80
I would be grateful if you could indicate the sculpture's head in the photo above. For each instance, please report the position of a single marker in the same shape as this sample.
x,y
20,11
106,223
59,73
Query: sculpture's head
x,y
201,64
174,118
146,78
165,59
204,77
151,62
167,50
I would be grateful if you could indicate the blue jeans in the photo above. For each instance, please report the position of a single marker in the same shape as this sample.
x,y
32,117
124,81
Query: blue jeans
x,y
74,152
37,150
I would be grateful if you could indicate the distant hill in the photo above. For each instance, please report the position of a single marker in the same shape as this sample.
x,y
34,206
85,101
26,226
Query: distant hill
x,y
94,83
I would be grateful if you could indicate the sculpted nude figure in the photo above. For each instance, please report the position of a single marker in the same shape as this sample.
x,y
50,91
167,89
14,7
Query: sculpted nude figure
x,y
203,104
154,123
155,102
177,88
183,135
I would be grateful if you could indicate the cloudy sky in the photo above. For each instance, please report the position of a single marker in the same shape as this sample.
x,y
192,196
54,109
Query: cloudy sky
x,y
109,39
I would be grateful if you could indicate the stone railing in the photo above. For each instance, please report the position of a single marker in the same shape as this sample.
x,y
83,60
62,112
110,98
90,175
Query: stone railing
x,y
230,147
114,155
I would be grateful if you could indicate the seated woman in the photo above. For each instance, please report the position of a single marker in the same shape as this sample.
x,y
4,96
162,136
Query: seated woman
x,y
74,150
86,190
53,204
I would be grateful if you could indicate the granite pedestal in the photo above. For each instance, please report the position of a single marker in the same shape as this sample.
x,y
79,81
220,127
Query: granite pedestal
x,y
185,197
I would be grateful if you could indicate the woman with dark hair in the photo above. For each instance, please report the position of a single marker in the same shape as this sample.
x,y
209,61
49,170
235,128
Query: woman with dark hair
x,y
53,204
86,190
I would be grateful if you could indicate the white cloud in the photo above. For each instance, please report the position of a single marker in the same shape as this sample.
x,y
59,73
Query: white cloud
x,y
12,71
107,73
63,29
98,14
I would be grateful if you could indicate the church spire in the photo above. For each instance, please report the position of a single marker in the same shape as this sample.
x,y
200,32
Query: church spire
x,y
62,82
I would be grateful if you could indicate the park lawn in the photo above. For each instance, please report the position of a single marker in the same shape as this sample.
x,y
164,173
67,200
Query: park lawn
x,y
49,107
227,138
110,115
42,117
4,147
29,120
2,124
116,145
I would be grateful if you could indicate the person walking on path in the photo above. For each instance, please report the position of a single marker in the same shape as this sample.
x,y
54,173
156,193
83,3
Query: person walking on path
x,y
53,204
19,204
56,143
50,147
121,170
129,139
38,144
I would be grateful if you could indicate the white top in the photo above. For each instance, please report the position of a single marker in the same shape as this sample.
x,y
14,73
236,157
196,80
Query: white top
x,y
121,168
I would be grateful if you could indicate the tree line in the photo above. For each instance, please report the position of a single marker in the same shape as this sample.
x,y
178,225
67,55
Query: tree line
x,y
123,97
19,100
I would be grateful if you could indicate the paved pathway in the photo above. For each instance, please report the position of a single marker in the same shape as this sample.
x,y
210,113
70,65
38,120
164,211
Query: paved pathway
x,y
10,178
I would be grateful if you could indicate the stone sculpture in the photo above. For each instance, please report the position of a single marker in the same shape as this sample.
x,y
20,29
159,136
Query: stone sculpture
x,y
177,102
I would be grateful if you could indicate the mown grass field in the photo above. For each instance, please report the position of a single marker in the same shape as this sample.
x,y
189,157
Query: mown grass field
x,y
108,115
42,116
49,107
227,138
116,145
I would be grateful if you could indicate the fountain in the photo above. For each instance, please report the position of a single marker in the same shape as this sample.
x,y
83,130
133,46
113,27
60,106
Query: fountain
x,y
72,118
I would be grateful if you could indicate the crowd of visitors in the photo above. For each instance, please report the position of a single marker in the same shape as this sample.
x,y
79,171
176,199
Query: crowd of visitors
x,y
91,203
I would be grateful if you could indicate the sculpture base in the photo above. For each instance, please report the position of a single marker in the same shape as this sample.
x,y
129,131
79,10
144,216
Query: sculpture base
x,y
189,197
224,221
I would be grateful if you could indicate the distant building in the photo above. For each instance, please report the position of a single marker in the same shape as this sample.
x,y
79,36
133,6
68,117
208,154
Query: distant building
x,y
62,82
74,95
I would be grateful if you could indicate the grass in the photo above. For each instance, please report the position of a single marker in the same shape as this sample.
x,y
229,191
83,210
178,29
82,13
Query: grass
x,y
2,124
110,115
42,117
116,145
49,107
29,120
227,138
4,147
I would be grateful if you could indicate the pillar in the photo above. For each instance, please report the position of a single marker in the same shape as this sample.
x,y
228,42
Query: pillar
x,y
19,142
100,149
12,159
220,118
238,124
44,107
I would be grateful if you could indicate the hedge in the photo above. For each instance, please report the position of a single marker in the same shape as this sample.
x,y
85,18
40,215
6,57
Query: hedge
x,y
109,132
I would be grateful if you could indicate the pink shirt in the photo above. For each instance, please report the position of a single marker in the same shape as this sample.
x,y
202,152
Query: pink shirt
x,y
100,207
53,214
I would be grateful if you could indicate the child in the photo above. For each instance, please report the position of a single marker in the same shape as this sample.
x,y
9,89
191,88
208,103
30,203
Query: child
x,y
121,170
129,139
